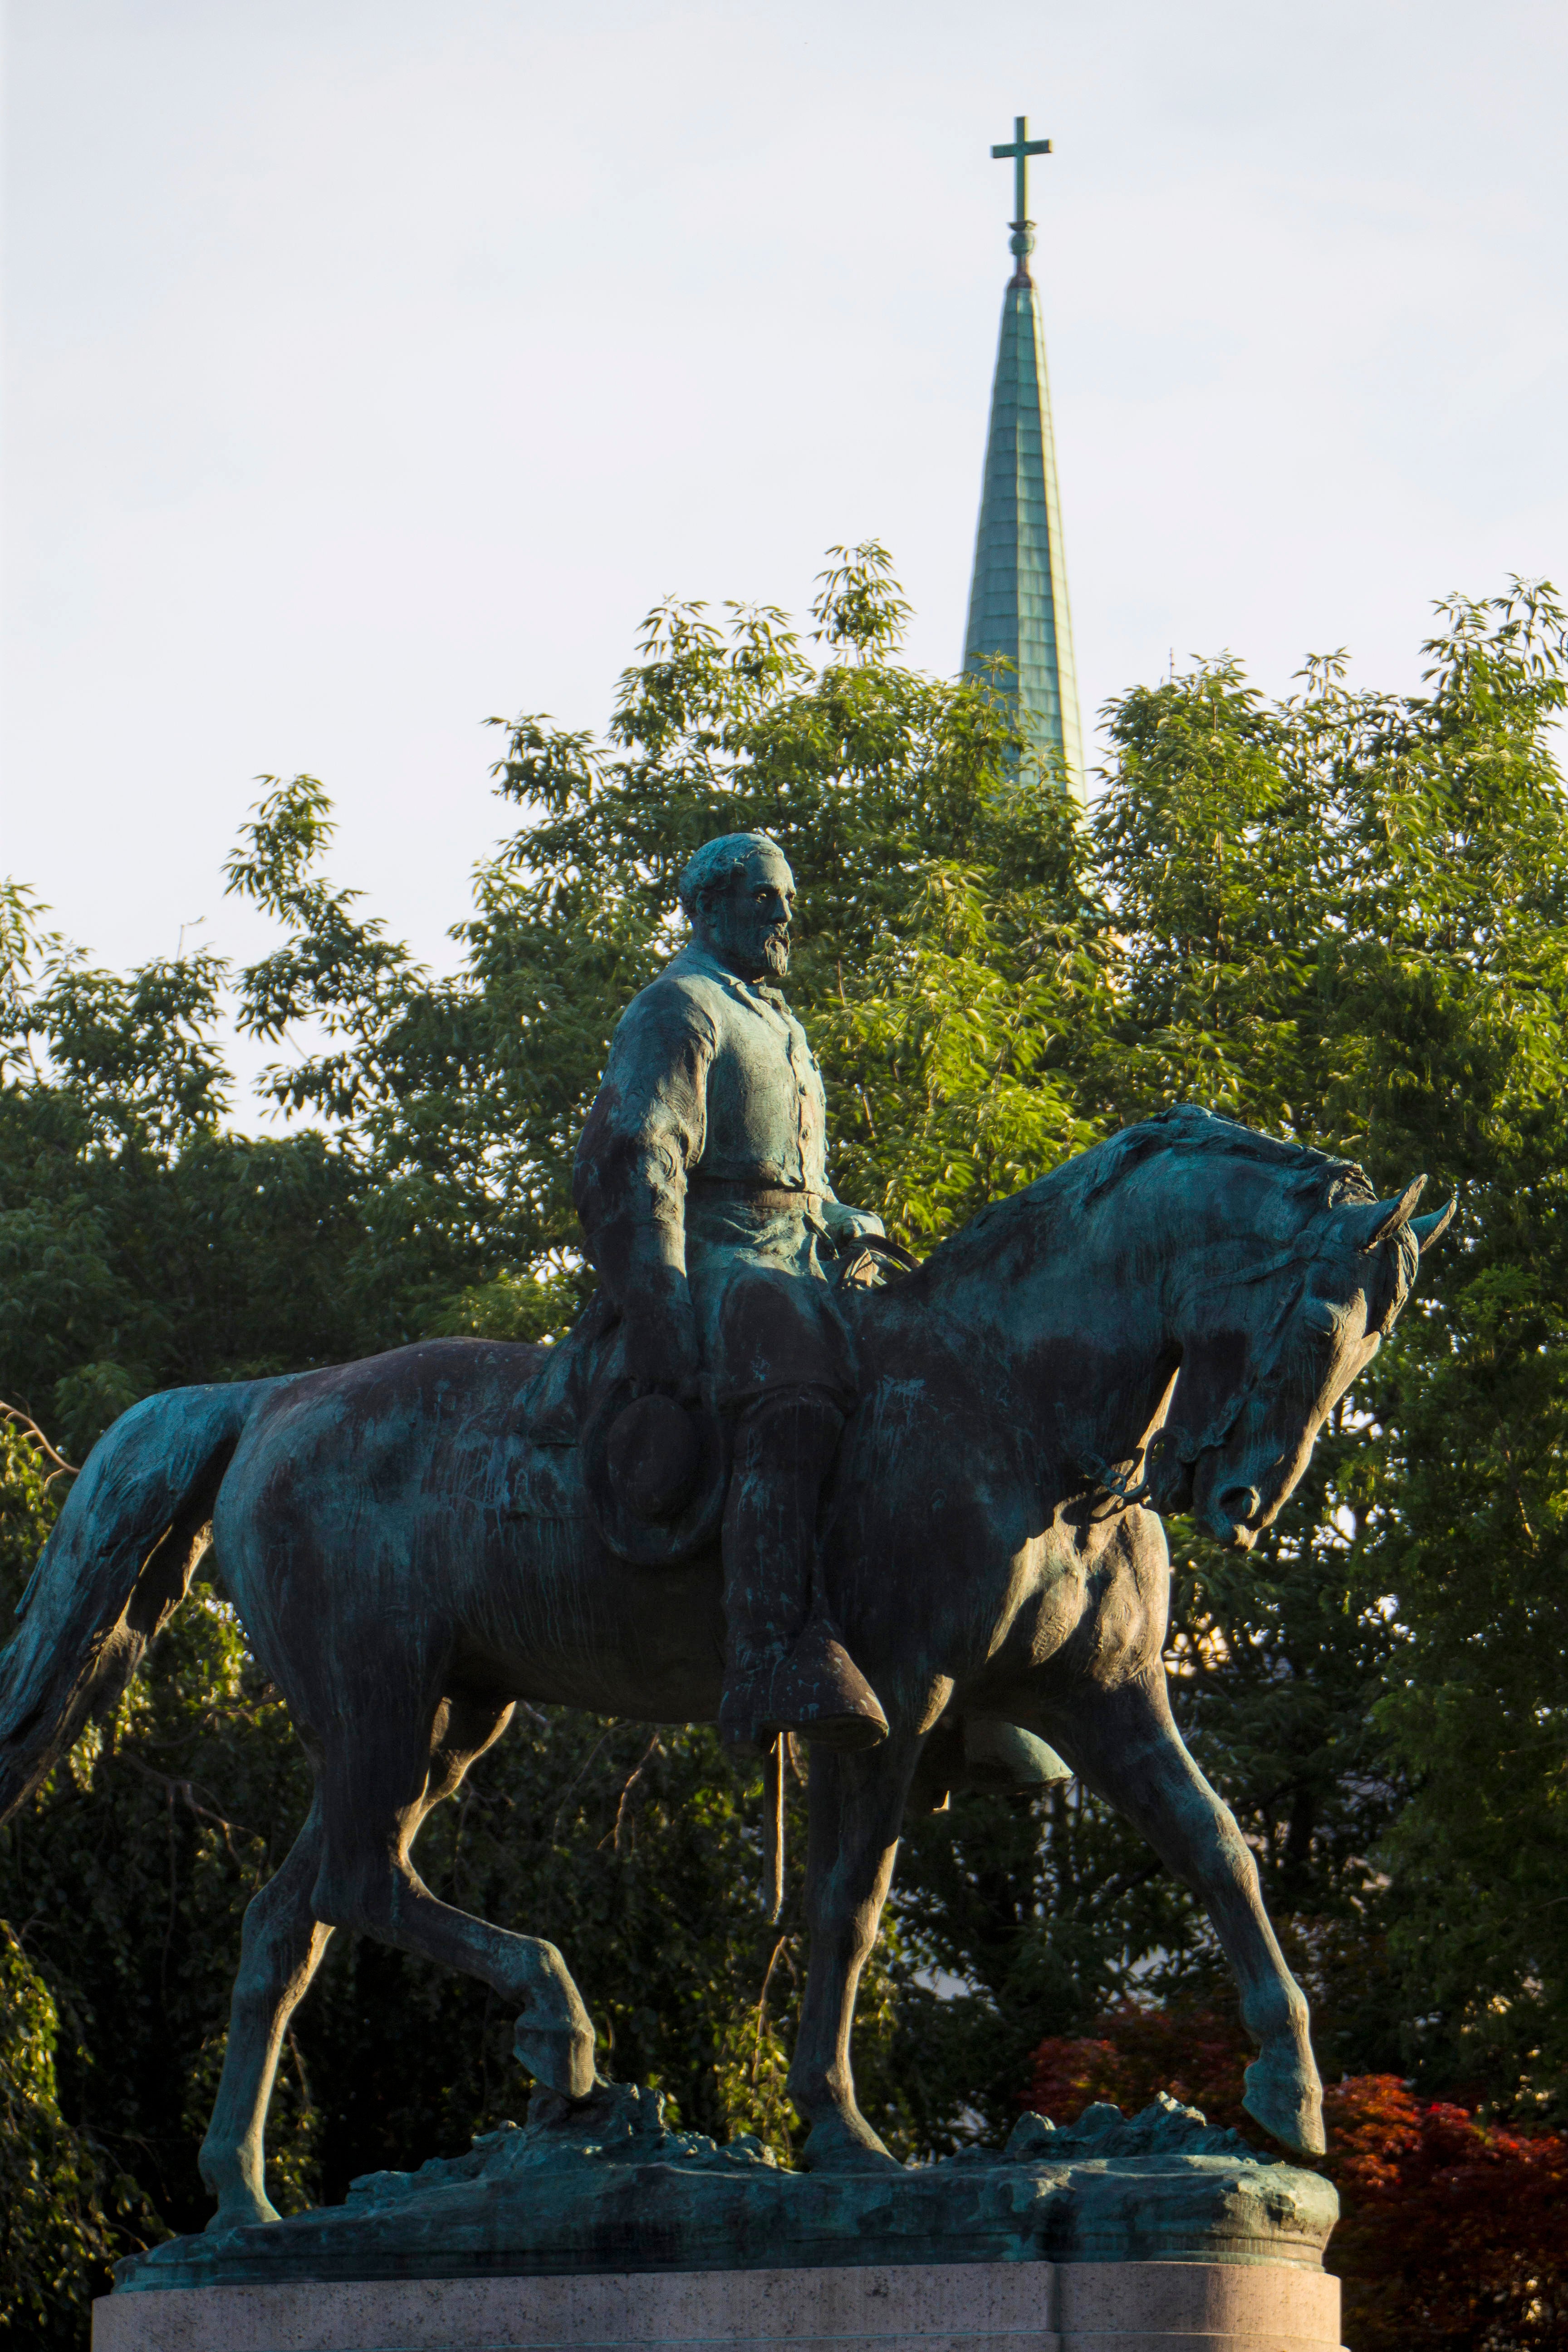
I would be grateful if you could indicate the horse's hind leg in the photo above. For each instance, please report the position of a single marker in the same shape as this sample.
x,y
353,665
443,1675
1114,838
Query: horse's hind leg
x,y
377,1785
1127,1747
280,1952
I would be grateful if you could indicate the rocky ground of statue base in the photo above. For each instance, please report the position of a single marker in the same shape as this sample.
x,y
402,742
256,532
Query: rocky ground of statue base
x,y
605,2184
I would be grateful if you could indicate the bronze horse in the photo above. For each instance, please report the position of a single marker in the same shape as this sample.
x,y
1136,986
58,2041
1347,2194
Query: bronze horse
x,y
1161,1323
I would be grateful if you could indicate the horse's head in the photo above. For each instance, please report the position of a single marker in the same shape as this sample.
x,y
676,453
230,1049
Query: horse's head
x,y
1193,1298
1273,1343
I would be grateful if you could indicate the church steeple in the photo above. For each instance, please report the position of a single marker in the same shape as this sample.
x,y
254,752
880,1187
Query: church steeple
x,y
1018,602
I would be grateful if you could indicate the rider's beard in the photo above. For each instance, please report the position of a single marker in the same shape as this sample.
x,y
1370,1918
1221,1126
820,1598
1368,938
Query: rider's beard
x,y
754,949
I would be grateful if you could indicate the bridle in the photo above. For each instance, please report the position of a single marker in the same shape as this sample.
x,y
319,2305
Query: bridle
x,y
1113,1480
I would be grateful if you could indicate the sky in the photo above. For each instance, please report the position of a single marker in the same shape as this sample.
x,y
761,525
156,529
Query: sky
x,y
370,366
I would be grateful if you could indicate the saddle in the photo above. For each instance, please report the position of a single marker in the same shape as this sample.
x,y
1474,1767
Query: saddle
x,y
652,1475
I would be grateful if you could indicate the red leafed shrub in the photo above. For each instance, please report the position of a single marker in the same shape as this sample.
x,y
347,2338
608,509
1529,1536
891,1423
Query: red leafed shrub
x,y
1195,2054
1454,2235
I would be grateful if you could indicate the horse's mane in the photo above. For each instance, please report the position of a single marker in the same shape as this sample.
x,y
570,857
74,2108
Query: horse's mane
x,y
1317,1179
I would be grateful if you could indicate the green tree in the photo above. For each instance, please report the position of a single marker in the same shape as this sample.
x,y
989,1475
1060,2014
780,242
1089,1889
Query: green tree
x,y
1338,916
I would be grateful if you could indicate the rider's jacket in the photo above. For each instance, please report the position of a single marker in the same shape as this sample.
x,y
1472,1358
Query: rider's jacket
x,y
701,1171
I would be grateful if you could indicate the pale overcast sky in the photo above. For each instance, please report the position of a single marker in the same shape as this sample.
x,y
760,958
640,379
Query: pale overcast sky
x,y
372,366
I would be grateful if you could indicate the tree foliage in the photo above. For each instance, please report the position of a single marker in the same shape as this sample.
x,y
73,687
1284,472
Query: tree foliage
x,y
1338,916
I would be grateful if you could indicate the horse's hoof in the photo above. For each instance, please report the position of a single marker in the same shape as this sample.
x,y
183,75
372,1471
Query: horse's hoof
x,y
558,2057
836,2145
247,2215
1288,2107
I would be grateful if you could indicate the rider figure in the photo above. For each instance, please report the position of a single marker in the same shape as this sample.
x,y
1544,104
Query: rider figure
x,y
702,1184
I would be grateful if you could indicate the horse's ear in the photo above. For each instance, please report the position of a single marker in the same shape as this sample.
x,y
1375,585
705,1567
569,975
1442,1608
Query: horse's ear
x,y
1428,1231
1374,1222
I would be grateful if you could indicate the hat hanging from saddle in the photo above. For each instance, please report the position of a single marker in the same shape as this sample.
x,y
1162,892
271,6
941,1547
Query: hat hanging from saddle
x,y
655,1471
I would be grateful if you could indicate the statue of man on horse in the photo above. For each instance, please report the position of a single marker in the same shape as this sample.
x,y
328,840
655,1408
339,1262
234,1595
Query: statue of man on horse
x,y
701,1183
1164,1323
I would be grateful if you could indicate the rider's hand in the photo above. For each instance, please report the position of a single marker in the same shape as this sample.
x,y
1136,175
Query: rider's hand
x,y
661,1356
848,1224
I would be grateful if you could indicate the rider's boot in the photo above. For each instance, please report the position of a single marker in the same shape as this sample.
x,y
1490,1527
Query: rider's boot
x,y
785,1668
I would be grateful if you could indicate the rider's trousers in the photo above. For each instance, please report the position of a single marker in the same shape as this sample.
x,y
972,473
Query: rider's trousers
x,y
784,1668
785,1451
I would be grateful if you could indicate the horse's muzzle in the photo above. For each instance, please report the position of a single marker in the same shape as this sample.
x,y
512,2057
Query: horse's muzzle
x,y
1234,1517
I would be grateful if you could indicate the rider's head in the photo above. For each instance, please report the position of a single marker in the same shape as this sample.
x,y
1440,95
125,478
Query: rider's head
x,y
738,894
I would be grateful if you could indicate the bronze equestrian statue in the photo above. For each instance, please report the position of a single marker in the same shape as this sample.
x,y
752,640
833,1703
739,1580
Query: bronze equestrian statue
x,y
1163,1323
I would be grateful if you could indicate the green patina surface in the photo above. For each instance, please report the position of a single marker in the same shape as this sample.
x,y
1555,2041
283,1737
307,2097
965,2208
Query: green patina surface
x,y
605,2185
1018,601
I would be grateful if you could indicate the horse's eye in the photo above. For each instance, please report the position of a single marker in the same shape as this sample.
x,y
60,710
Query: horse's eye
x,y
1318,1316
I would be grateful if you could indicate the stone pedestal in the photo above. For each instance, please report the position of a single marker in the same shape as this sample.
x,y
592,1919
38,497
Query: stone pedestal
x,y
1017,2306
597,2228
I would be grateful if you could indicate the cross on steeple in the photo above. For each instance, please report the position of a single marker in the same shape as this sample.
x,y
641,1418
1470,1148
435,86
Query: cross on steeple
x,y
1022,148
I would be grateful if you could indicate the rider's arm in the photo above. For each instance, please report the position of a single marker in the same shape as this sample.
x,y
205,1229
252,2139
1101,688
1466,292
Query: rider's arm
x,y
843,1224
647,1127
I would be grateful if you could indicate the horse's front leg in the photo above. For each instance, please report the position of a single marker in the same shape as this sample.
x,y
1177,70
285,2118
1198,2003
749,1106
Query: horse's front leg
x,y
856,1805
1125,1744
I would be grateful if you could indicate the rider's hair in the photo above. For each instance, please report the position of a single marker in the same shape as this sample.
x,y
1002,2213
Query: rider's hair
x,y
712,870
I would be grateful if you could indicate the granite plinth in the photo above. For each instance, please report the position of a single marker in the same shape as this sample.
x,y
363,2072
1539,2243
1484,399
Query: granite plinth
x,y
916,2307
603,2185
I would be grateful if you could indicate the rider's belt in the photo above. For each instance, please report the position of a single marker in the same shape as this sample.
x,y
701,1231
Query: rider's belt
x,y
773,1200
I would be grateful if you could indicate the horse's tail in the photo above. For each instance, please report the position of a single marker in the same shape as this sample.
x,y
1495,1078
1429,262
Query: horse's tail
x,y
115,1569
